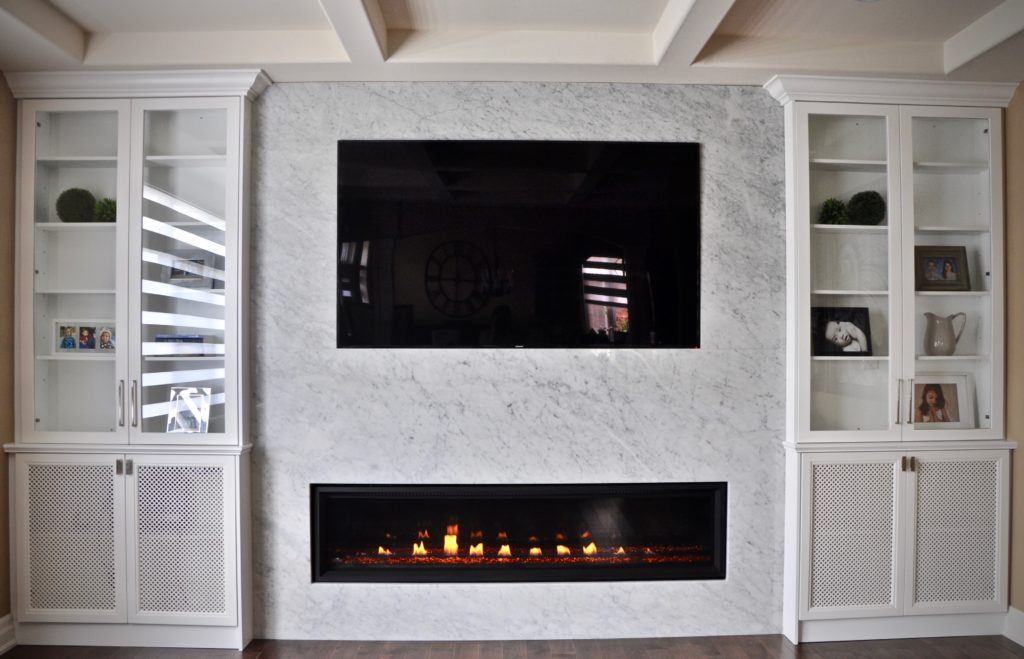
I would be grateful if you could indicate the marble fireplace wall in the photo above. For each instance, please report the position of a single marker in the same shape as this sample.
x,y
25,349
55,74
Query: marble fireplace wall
x,y
323,415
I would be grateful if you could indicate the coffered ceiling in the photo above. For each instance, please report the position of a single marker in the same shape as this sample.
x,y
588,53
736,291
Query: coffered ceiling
x,y
683,41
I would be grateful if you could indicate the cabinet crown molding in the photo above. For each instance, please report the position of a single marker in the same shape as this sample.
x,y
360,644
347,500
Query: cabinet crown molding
x,y
249,83
788,88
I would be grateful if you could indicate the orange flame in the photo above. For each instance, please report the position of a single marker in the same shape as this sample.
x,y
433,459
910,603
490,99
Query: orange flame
x,y
559,536
477,549
476,535
423,535
505,551
620,550
535,551
453,529
562,550
502,535
451,545
590,549
418,549
585,535
383,552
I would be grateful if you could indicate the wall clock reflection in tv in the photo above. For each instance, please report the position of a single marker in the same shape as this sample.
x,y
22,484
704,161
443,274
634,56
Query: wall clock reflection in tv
x,y
456,278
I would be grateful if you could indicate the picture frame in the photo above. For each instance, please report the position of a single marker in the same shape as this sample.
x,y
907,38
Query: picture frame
x,y
942,396
941,268
188,410
840,332
82,336
188,270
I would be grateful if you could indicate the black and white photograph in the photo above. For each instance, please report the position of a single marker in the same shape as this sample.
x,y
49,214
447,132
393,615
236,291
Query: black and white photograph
x,y
840,331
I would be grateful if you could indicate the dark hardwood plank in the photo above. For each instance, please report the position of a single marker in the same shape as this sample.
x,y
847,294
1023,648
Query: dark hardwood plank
x,y
718,647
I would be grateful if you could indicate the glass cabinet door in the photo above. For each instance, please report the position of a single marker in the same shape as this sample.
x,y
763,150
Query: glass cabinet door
x,y
74,201
850,229
183,298
952,320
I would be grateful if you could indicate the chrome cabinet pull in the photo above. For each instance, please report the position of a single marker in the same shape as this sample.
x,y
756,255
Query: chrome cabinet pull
x,y
120,403
910,401
129,467
133,404
119,467
899,399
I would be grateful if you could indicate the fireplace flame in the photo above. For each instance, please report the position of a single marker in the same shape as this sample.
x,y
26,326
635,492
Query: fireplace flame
x,y
590,549
559,536
502,535
535,551
451,545
505,551
585,535
620,550
383,552
453,529
476,535
418,549
423,535
477,549
562,550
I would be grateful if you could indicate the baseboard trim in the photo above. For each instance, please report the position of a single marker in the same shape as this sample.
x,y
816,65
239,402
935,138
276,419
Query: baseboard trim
x,y
7,639
1014,629
106,634
862,629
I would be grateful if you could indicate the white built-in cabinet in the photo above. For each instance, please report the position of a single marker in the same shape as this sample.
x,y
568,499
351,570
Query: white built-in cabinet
x,y
897,469
129,468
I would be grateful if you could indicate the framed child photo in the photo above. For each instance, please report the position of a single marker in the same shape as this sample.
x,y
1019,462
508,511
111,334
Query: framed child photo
x,y
65,336
83,336
840,332
942,402
941,268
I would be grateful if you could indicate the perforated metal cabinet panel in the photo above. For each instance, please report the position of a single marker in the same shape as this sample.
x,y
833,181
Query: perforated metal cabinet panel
x,y
70,519
851,531
183,539
956,531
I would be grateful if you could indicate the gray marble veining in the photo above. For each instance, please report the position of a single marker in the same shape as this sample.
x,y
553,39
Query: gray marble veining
x,y
477,416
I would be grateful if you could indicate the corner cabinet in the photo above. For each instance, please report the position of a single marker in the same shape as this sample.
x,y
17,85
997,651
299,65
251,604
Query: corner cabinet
x,y
897,465
129,466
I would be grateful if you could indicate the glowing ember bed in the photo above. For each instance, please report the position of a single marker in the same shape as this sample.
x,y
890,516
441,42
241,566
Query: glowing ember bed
x,y
437,533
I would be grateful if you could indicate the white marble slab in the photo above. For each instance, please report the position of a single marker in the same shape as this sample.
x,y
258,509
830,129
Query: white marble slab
x,y
478,416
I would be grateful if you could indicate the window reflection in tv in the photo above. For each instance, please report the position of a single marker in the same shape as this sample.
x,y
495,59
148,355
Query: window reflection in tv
x,y
518,244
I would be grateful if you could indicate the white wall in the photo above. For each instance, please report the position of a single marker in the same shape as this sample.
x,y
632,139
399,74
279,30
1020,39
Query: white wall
x,y
379,416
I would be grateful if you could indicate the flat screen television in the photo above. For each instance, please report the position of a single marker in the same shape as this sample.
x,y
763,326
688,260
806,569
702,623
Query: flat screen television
x,y
518,244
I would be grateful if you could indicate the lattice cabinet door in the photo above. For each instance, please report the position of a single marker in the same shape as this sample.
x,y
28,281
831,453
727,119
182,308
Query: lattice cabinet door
x,y
182,539
957,532
69,524
850,522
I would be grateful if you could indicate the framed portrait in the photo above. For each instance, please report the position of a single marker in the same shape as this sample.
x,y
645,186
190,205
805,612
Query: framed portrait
x,y
83,336
65,336
943,402
840,332
941,268
191,270
106,338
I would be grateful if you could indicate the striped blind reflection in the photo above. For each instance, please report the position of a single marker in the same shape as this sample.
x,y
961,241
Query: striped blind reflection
x,y
183,280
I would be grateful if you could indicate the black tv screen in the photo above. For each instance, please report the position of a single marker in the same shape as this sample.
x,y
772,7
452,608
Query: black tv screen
x,y
519,244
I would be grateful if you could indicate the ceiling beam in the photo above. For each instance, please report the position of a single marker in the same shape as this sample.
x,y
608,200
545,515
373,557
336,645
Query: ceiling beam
x,y
686,26
56,31
361,28
982,35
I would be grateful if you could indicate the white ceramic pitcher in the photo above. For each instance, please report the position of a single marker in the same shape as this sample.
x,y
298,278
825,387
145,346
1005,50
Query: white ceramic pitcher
x,y
939,335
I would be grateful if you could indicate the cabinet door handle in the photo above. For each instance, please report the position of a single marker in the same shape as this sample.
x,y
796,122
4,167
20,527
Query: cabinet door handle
x,y
899,399
120,403
910,401
133,403
903,463
913,463
129,467
119,467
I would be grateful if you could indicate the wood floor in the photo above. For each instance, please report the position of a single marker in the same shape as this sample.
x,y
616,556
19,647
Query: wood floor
x,y
721,647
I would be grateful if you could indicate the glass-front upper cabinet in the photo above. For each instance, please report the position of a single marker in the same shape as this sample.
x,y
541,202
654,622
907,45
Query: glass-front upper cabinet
x,y
185,252
73,214
848,224
953,272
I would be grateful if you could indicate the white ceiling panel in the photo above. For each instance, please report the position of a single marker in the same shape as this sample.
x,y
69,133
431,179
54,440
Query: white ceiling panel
x,y
193,15
530,15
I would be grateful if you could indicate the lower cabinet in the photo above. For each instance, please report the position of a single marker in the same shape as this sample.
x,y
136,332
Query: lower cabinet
x,y
145,539
903,533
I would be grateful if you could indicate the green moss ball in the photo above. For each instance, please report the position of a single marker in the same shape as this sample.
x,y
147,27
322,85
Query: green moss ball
x,y
866,208
76,205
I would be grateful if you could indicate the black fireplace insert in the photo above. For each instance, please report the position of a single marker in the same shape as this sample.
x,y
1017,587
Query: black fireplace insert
x,y
473,533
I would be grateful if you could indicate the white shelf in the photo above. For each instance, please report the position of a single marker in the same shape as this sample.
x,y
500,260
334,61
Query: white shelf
x,y
953,293
851,358
205,160
851,228
75,357
941,358
185,358
950,167
78,161
828,291
74,226
75,291
848,165
964,229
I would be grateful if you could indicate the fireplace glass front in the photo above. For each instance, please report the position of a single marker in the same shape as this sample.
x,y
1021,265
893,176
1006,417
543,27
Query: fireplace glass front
x,y
437,533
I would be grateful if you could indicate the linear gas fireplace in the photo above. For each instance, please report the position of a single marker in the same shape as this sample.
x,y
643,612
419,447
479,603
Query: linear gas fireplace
x,y
436,533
